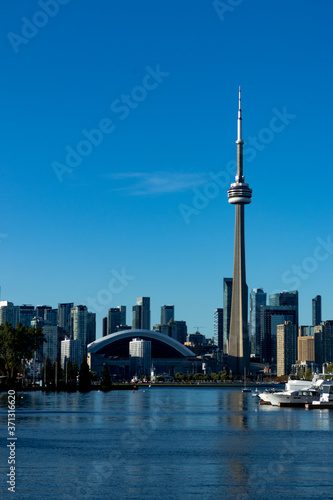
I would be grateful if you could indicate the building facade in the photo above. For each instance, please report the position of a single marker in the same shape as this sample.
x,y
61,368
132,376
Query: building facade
x,y
257,299
316,310
286,352
64,317
140,357
218,327
115,318
227,296
167,314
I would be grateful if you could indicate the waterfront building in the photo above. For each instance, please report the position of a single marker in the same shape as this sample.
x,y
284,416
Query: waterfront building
x,y
167,354
270,318
239,195
116,317
218,327
227,296
167,313
286,340
27,313
71,350
9,313
141,314
140,357
64,317
316,310
257,299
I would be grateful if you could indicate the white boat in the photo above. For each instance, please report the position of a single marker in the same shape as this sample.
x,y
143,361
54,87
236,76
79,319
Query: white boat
x,y
326,397
292,386
295,397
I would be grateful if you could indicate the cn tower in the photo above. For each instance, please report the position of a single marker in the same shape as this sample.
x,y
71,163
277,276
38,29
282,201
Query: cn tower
x,y
239,195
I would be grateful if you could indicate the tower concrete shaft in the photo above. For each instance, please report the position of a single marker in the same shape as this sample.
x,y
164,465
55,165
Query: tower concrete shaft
x,y
239,195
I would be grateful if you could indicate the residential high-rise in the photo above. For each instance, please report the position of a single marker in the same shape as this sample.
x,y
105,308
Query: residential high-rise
x,y
9,313
116,316
305,348
141,314
167,313
239,195
270,318
227,295
64,316
316,310
218,327
71,350
286,352
140,357
79,326
257,299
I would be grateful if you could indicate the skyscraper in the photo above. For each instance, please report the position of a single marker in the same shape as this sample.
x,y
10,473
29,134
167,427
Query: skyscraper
x,y
116,317
239,195
141,314
167,313
9,313
316,310
227,295
257,299
218,327
270,318
64,316
286,352
27,313
79,326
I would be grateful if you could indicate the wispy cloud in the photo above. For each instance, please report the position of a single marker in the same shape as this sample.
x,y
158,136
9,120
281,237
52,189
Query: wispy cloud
x,y
150,183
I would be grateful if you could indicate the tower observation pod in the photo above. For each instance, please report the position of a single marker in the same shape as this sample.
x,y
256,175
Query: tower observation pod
x,y
239,195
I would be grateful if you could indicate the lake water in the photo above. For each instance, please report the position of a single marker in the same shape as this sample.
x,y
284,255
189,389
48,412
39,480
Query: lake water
x,y
166,444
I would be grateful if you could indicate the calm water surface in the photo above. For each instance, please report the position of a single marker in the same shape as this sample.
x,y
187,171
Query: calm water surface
x,y
166,444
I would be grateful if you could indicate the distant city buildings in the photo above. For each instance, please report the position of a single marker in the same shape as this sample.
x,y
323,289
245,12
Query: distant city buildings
x,y
167,313
115,318
316,310
286,354
218,327
257,299
227,295
64,317
141,314
140,357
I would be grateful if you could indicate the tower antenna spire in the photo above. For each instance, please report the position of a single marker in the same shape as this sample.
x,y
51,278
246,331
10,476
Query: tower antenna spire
x,y
239,121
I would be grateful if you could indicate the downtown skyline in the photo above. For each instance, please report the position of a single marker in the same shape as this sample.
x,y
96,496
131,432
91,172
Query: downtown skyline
x,y
118,220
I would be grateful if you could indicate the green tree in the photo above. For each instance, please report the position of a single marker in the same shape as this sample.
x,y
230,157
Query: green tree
x,y
106,379
329,368
308,374
17,346
84,376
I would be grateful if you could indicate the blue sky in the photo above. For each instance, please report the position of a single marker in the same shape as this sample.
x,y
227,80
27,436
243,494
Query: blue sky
x,y
118,129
